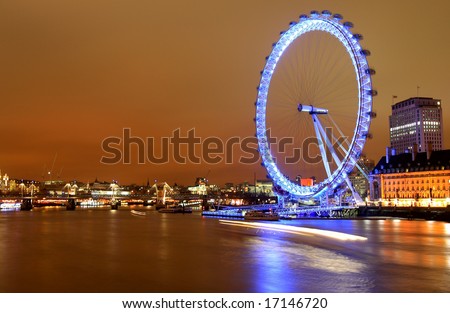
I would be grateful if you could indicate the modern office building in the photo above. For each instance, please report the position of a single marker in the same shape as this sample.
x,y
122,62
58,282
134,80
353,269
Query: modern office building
x,y
416,121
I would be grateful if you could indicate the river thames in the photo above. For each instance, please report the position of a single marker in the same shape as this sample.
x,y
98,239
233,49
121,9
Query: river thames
x,y
99,250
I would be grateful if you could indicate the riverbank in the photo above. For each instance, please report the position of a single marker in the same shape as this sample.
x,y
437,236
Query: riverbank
x,y
431,213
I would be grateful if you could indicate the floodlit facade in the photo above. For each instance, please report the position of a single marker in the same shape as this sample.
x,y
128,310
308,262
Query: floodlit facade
x,y
412,180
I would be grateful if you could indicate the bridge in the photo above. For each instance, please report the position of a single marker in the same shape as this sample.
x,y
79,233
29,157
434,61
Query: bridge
x,y
208,203
15,203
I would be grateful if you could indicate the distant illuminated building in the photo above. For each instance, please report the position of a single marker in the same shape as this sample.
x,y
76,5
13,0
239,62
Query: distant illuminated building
x,y
264,187
107,190
310,181
200,187
307,182
416,121
98,185
53,187
201,181
198,190
4,182
412,179
23,186
358,179
229,187
360,183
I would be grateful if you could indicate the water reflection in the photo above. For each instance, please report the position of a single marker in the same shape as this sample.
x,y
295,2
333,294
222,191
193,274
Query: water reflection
x,y
286,262
114,251
412,243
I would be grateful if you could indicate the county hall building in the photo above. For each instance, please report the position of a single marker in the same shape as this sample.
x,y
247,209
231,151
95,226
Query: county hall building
x,y
416,179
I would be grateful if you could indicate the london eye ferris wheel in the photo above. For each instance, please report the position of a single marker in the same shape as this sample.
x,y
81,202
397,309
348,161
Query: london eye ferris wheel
x,y
314,106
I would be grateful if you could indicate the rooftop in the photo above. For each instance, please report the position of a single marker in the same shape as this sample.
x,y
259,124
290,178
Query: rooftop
x,y
439,160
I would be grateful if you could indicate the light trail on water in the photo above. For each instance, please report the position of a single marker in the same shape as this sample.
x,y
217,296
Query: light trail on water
x,y
295,230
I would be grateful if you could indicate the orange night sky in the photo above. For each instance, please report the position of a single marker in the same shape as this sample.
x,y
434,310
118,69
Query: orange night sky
x,y
76,72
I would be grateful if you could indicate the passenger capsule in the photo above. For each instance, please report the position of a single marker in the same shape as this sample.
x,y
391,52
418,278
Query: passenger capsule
x,y
348,25
303,17
365,52
358,36
372,92
337,17
326,13
370,71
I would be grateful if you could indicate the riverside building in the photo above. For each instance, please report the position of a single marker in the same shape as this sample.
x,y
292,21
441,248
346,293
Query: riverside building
x,y
416,179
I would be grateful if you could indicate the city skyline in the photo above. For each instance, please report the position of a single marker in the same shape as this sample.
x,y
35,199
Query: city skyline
x,y
77,73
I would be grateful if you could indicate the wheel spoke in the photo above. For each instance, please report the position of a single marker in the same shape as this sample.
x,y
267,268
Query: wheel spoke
x,y
329,143
317,128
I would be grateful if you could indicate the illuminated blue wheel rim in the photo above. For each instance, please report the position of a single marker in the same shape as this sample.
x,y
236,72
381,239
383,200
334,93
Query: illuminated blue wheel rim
x,y
331,24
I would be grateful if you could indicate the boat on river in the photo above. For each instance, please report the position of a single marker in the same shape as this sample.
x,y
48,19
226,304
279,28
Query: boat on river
x,y
175,209
255,215
138,213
